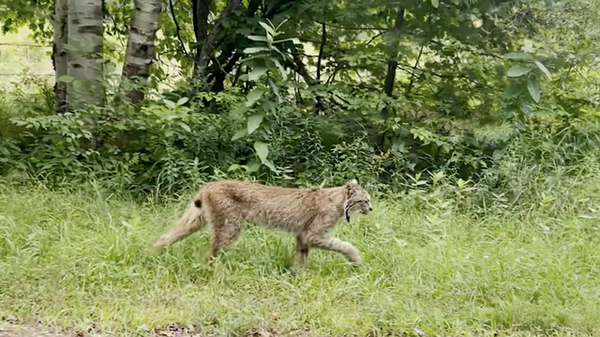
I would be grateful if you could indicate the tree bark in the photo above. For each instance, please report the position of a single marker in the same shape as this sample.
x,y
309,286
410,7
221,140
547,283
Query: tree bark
x,y
208,44
200,11
381,140
322,47
229,53
392,47
85,27
140,44
59,55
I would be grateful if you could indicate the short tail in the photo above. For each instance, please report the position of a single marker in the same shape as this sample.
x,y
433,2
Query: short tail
x,y
191,221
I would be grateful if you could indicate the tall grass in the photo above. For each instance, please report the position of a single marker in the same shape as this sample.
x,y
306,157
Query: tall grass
x,y
78,258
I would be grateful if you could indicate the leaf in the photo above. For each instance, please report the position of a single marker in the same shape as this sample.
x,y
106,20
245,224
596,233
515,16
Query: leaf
x,y
269,30
512,90
262,150
77,85
543,69
185,126
518,70
270,165
239,134
435,3
254,122
233,167
275,89
256,73
66,78
281,69
518,56
182,101
253,96
253,166
257,38
524,107
292,39
534,89
239,110
170,104
279,51
253,50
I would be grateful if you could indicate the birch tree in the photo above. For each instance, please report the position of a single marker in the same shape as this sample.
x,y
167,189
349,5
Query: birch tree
x,y
59,55
85,67
140,44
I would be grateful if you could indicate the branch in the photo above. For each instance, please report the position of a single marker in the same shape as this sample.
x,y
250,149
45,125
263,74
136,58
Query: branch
x,y
301,70
354,28
207,46
376,36
178,29
200,12
388,86
333,73
278,8
412,76
323,40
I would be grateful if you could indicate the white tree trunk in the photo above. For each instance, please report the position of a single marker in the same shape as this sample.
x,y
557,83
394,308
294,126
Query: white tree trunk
x,y
59,54
140,45
85,53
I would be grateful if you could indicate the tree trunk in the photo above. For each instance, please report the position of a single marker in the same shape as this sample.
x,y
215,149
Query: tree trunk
x,y
392,53
381,139
321,49
59,55
200,11
229,53
140,44
85,28
206,51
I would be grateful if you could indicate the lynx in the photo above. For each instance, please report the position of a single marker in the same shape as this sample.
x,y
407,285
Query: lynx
x,y
308,214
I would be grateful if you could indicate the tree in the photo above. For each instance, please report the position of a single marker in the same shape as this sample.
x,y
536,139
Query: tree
x,y
59,55
86,43
140,44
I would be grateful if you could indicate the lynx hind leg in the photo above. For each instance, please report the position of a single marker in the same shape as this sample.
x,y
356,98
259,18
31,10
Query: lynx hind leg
x,y
302,248
224,234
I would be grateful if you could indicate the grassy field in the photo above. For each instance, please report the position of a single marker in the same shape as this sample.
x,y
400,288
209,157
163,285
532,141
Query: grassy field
x,y
80,260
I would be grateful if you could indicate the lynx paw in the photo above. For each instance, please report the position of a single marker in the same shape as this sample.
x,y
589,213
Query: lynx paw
x,y
354,257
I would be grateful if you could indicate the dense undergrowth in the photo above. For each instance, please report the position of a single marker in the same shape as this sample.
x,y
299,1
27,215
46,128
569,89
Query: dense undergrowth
x,y
510,250
514,254
485,188
507,246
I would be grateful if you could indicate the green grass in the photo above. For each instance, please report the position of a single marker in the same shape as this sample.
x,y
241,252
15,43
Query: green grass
x,y
79,259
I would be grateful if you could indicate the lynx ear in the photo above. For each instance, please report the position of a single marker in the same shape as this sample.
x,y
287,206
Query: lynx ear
x,y
352,182
351,186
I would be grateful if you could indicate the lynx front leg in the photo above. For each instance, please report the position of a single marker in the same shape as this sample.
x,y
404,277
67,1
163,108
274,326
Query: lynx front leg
x,y
337,245
316,237
301,251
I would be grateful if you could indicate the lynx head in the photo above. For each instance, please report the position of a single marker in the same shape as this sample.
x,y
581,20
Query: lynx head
x,y
357,199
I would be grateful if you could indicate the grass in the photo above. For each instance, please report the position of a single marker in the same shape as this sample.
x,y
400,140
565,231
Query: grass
x,y
79,259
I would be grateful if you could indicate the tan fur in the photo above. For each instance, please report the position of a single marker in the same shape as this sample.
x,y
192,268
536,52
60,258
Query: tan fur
x,y
308,214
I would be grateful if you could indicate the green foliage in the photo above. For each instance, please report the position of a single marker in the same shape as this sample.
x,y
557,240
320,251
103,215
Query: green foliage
x,y
474,78
436,261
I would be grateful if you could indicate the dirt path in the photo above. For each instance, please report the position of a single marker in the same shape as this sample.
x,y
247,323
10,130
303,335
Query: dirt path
x,y
14,329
